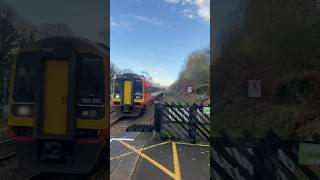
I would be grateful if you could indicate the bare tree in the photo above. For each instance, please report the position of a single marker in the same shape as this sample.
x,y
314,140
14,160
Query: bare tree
x,y
126,71
114,71
28,32
9,35
147,75
50,30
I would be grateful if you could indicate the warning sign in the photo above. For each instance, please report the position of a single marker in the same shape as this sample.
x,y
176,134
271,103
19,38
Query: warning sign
x,y
254,89
309,154
189,89
206,110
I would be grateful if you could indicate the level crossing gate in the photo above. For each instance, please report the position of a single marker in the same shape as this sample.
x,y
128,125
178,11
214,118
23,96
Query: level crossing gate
x,y
182,122
251,158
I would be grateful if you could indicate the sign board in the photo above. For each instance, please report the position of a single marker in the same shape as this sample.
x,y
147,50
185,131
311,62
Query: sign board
x,y
254,89
189,89
206,110
309,154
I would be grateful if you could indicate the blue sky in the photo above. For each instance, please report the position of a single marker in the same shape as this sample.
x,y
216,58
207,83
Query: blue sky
x,y
157,35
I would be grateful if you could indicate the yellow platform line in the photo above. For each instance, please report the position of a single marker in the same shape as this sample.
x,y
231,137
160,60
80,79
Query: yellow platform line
x,y
155,163
142,149
176,162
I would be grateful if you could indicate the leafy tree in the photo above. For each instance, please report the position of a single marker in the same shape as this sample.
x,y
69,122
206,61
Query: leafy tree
x,y
278,43
196,72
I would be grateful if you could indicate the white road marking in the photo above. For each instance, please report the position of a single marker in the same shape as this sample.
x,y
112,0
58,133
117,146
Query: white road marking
x,y
121,139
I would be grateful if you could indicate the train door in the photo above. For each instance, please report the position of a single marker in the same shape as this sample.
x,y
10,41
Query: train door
x,y
55,97
127,88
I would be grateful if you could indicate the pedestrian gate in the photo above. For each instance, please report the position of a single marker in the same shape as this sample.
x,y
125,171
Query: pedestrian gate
x,y
181,122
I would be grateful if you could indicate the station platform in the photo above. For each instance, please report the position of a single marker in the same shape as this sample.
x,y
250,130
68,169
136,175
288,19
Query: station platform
x,y
138,156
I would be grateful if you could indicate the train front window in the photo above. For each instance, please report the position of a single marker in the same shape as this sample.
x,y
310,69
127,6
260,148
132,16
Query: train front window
x,y
91,84
138,87
117,87
25,81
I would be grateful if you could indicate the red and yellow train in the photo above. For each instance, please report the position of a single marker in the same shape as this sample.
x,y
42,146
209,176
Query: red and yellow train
x,y
132,93
58,115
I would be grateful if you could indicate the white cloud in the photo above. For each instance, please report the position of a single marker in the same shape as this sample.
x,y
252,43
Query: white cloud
x,y
173,1
120,23
194,8
128,22
149,20
113,22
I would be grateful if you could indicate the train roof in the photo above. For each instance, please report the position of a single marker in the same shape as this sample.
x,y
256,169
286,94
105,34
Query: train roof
x,y
80,44
131,75
137,76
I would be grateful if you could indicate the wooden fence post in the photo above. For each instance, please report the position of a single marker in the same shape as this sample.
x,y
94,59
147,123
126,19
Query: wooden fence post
x,y
192,123
158,110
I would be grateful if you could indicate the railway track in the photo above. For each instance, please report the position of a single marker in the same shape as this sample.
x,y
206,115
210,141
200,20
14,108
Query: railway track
x,y
119,126
8,156
7,141
100,173
6,150
114,117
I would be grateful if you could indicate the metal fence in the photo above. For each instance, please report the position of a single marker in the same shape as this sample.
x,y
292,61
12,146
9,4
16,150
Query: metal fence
x,y
251,158
181,122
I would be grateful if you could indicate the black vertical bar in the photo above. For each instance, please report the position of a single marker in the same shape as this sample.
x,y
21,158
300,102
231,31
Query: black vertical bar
x,y
72,97
192,124
121,92
132,90
39,104
158,117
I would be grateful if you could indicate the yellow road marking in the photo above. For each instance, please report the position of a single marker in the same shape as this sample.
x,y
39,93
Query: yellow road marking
x,y
122,155
155,163
142,149
155,145
176,162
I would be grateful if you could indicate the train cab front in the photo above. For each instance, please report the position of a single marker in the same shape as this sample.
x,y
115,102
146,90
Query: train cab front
x,y
128,95
58,114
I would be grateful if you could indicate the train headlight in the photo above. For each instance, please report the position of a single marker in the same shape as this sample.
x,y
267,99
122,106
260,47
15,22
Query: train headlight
x,y
88,133
22,110
138,97
91,113
117,96
85,113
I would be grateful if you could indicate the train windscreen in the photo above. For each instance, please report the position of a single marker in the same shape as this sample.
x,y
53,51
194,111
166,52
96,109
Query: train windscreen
x,y
25,81
138,87
91,84
117,87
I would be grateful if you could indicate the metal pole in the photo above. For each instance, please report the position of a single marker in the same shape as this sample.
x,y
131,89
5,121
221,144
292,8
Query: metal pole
x,y
4,98
5,90
253,117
